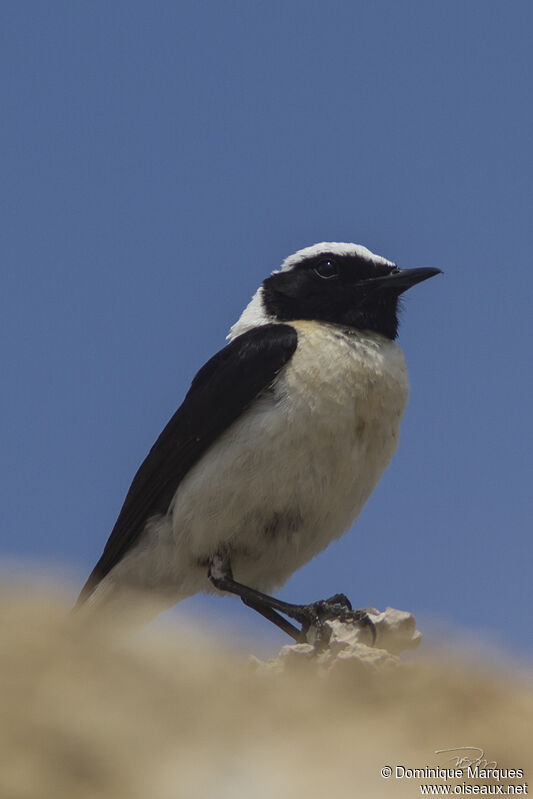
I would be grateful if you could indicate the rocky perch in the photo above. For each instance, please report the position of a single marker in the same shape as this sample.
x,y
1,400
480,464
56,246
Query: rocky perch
x,y
337,642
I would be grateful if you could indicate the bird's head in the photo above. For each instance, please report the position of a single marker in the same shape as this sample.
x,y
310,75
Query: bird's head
x,y
344,284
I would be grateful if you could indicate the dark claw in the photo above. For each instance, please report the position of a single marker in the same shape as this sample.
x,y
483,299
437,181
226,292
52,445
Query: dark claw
x,y
337,607
339,599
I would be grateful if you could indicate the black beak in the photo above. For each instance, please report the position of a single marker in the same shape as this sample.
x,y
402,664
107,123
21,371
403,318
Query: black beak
x,y
399,280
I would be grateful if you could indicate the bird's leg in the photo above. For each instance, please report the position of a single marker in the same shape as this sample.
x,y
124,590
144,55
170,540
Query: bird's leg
x,y
336,607
221,576
275,618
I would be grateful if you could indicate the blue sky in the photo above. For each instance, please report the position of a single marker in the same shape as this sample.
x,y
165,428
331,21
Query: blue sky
x,y
159,159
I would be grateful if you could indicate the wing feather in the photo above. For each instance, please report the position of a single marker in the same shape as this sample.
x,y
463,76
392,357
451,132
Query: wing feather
x,y
223,388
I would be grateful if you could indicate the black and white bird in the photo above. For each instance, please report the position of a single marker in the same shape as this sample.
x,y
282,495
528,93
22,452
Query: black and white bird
x,y
277,446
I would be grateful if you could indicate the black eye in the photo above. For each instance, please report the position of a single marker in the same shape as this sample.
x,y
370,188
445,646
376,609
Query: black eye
x,y
326,269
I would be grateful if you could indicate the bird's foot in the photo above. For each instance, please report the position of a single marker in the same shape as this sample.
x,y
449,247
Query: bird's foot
x,y
312,618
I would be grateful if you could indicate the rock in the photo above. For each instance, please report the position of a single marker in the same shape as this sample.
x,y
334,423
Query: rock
x,y
339,641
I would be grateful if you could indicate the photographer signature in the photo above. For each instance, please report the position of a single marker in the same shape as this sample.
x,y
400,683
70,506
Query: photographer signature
x,y
468,756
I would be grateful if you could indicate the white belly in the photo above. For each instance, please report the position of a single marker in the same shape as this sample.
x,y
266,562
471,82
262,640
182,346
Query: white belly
x,y
291,475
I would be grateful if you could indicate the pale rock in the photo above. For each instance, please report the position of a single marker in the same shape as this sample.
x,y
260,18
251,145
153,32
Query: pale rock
x,y
336,642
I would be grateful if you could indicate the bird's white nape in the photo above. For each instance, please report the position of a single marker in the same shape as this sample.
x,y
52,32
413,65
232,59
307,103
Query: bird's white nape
x,y
254,314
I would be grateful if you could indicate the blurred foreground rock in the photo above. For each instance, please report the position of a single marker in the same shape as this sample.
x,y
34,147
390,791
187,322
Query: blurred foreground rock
x,y
172,715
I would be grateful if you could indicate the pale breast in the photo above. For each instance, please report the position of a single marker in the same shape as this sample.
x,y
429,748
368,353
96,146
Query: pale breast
x,y
351,389
297,468
360,375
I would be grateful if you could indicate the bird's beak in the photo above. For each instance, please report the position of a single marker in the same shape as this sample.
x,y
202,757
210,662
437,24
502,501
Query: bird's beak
x,y
400,280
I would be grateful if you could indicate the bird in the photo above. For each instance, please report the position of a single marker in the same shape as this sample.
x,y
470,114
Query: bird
x,y
277,446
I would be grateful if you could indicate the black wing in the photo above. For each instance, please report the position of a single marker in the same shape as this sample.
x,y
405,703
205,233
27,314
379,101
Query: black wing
x,y
219,393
